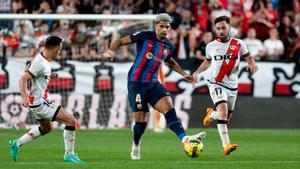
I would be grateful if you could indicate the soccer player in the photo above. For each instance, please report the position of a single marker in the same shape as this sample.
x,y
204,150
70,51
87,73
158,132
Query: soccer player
x,y
223,55
153,48
44,111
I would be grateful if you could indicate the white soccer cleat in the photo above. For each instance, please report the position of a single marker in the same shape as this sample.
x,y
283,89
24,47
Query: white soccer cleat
x,y
199,136
135,152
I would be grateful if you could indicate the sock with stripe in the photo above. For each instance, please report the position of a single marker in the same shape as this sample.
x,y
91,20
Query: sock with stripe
x,y
29,136
223,132
69,139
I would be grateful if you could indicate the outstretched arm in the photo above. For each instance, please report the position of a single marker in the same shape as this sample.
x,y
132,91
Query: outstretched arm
x,y
177,68
205,65
110,53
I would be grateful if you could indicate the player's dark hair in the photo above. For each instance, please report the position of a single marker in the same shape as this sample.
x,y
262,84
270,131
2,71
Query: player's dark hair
x,y
52,42
222,18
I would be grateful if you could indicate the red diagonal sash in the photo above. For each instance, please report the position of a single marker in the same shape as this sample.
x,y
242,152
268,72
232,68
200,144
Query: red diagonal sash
x,y
226,69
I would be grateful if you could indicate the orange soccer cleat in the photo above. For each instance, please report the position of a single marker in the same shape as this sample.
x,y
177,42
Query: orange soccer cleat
x,y
207,120
229,148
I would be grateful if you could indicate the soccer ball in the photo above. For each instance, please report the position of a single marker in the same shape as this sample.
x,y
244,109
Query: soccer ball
x,y
194,148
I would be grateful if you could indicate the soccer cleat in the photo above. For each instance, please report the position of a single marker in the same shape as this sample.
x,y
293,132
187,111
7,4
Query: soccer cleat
x,y
14,149
207,120
72,158
229,148
135,152
199,136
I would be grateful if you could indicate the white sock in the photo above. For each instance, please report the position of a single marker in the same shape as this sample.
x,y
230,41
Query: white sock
x,y
29,136
223,132
214,115
69,138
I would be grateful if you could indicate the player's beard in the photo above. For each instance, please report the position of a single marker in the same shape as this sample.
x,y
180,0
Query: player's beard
x,y
223,38
162,37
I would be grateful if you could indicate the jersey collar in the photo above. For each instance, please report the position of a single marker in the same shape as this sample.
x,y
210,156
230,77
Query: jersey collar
x,y
45,57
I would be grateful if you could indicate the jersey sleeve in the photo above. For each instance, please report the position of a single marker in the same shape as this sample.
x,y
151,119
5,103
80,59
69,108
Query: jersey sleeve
x,y
207,53
244,50
168,58
138,36
35,69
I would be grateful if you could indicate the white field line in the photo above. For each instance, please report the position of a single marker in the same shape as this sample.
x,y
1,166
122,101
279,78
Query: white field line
x,y
160,162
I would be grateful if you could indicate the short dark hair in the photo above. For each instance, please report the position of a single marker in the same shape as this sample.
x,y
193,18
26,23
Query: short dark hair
x,y
52,42
222,18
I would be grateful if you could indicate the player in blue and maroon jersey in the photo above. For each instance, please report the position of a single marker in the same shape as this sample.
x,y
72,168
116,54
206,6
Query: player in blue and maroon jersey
x,y
153,48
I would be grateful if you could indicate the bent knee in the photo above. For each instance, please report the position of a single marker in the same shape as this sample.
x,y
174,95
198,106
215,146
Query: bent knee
x,y
222,115
71,121
165,107
45,129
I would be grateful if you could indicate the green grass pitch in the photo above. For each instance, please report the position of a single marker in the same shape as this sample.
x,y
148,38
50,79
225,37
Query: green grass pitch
x,y
258,148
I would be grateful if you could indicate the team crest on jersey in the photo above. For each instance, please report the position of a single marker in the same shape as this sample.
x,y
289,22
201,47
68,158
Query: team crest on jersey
x,y
232,47
149,55
165,52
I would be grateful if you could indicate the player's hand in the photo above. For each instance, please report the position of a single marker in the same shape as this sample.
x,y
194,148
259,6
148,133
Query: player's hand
x,y
54,75
108,55
196,77
252,68
25,102
189,78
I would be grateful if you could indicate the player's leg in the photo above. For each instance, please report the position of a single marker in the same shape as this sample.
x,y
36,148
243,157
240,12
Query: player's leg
x,y
66,118
220,97
156,119
231,104
222,110
165,106
43,129
40,113
15,145
139,127
232,95
160,99
138,103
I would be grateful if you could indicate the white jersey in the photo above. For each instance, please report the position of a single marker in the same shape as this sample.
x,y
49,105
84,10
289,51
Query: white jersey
x,y
40,69
225,59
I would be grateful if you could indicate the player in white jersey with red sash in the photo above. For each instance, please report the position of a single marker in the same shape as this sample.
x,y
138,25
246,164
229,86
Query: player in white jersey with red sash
x,y
223,56
33,89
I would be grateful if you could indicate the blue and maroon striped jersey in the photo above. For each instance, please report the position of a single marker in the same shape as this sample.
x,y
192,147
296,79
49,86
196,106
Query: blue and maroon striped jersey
x,y
150,54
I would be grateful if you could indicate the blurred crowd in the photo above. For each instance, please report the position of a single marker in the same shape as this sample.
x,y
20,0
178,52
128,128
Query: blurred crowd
x,y
270,28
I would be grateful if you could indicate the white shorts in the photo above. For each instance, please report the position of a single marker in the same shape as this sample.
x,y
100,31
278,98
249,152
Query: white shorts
x,y
220,94
46,111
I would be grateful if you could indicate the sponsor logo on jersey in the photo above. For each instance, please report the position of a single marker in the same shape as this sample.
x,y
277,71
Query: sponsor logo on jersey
x,y
223,57
149,55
